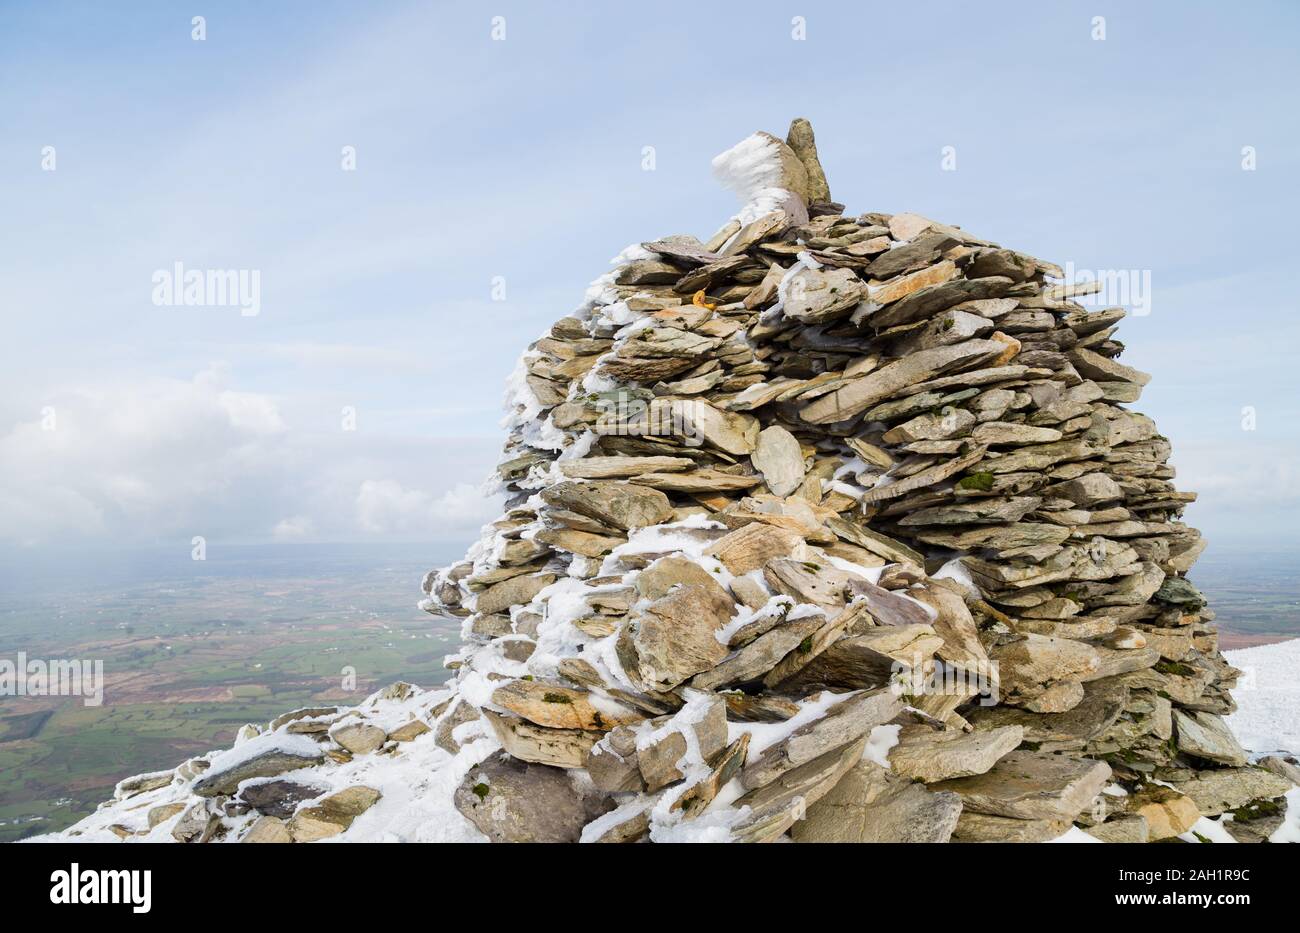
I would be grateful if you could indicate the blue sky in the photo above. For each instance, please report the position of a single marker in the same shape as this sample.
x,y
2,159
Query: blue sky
x,y
523,159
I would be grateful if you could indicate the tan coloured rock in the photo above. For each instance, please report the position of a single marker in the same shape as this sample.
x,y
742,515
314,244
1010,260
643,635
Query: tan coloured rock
x,y
1217,791
509,801
513,592
870,805
861,394
1125,828
905,285
267,829
359,738
559,748
675,636
983,827
1167,813
1032,786
409,731
750,547
622,467
1027,663
775,807
333,815
697,481
802,142
817,296
758,657
661,748
843,723
1284,766
700,423
1207,736
926,755
558,707
617,505
872,659
779,459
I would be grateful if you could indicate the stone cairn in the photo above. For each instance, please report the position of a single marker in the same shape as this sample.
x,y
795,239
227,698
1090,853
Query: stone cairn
x,y
840,528
829,528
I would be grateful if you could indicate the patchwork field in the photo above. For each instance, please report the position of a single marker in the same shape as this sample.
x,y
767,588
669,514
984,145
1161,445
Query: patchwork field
x,y
186,662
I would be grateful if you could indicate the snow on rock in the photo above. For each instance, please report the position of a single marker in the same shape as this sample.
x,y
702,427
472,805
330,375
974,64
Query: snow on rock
x,y
881,740
756,170
284,743
415,779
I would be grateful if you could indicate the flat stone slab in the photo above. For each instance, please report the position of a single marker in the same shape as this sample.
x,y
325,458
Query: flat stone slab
x,y
776,807
1032,786
1127,827
1205,735
614,504
843,723
556,706
278,798
870,804
759,656
359,738
779,459
929,756
223,779
510,801
982,827
1214,792
1103,703
674,637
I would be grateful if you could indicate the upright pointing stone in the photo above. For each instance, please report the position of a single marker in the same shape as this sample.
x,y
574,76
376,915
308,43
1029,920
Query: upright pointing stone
x,y
801,140
780,460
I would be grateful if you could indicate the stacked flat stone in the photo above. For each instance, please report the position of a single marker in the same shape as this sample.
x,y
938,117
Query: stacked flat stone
x,y
841,527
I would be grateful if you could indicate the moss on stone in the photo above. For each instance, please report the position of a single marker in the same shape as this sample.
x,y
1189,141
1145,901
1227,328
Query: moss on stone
x,y
981,482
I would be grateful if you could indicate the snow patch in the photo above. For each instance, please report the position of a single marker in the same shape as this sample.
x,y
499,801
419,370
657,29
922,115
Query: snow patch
x,y
881,740
1267,719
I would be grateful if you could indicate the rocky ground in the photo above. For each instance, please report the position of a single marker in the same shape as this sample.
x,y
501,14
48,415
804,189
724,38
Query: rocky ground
x,y
828,528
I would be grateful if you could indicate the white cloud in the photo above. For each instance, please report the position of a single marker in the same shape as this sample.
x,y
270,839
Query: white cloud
x,y
1246,488
385,506
1235,477
153,460
293,528
133,459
